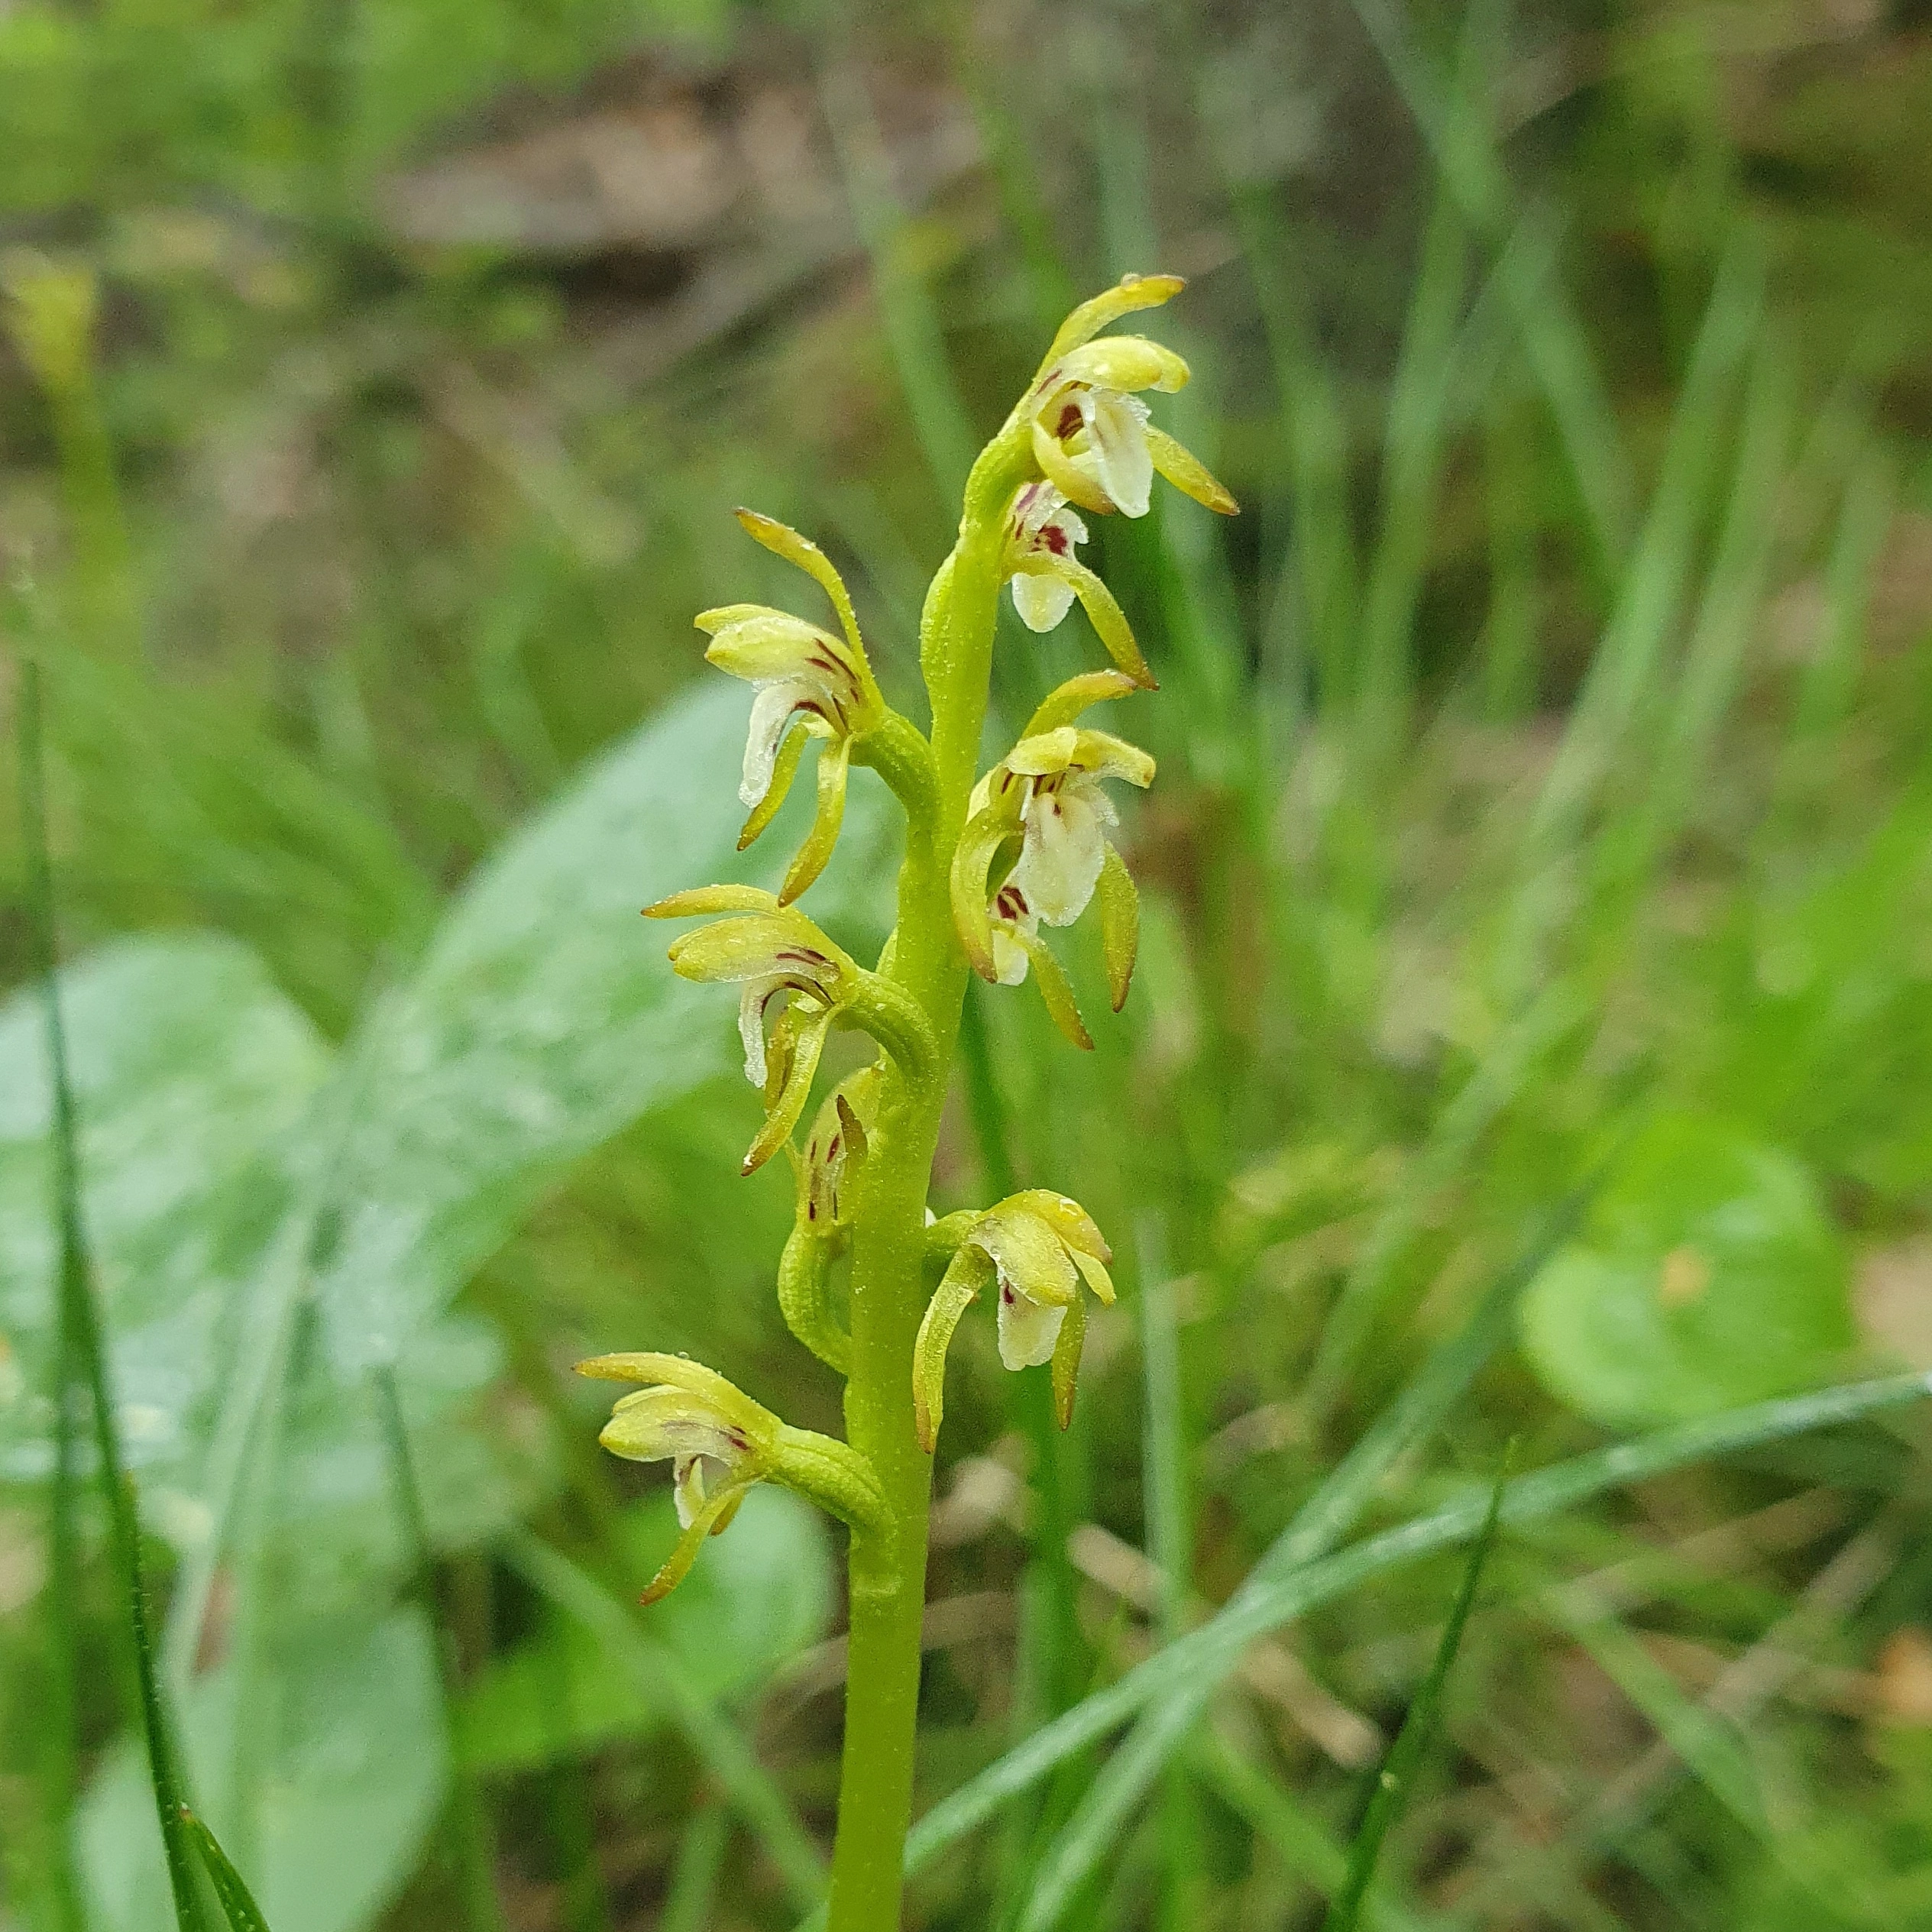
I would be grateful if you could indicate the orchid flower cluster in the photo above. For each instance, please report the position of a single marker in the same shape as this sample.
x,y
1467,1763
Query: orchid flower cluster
x,y
989,861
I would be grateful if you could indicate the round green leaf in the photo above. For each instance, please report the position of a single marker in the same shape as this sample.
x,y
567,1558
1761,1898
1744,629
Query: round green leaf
x,y
1707,1274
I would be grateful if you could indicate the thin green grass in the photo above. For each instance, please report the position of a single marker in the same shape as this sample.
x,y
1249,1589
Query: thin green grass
x,y
1395,1782
81,1353
231,1890
695,1875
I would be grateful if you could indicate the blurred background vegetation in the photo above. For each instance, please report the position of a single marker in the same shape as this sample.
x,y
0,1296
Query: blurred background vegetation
x,y
1544,793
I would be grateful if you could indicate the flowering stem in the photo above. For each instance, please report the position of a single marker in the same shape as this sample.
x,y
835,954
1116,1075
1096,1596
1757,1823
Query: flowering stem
x,y
1078,435
888,1292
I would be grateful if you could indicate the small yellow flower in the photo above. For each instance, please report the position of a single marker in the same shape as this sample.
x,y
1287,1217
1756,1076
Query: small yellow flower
x,y
1046,576
1038,1246
803,676
719,1443
1091,434
770,951
1042,811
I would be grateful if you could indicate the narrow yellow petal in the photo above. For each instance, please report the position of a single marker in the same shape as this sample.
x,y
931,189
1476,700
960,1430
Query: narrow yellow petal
x,y
1131,293
1028,1251
1125,363
967,1273
1068,748
1066,1370
716,1512
833,763
1188,474
783,773
700,901
783,541
796,1090
1066,476
1120,924
654,1369
972,858
1094,1271
1108,620
725,615
1056,990
1075,1227
1063,706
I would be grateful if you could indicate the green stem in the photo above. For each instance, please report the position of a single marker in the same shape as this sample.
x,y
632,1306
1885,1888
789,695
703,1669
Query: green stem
x,y
888,1573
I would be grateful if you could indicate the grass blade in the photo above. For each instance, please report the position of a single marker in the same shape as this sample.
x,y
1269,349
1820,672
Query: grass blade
x,y
1397,1777
1555,344
914,335
468,1818
1205,1657
1312,619
1169,1541
695,1875
1302,1841
82,1346
238,1902
1831,677
720,1746
1626,661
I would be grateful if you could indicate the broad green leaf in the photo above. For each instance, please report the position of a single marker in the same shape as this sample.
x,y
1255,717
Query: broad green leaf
x,y
352,1782
759,1594
1707,1275
189,1067
544,1017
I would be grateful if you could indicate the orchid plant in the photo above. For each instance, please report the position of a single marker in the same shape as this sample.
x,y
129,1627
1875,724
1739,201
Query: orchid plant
x,y
988,862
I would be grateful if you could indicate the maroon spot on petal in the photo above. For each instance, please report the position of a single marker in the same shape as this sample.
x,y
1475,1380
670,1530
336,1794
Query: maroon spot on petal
x,y
1054,537
1070,420
1006,1294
